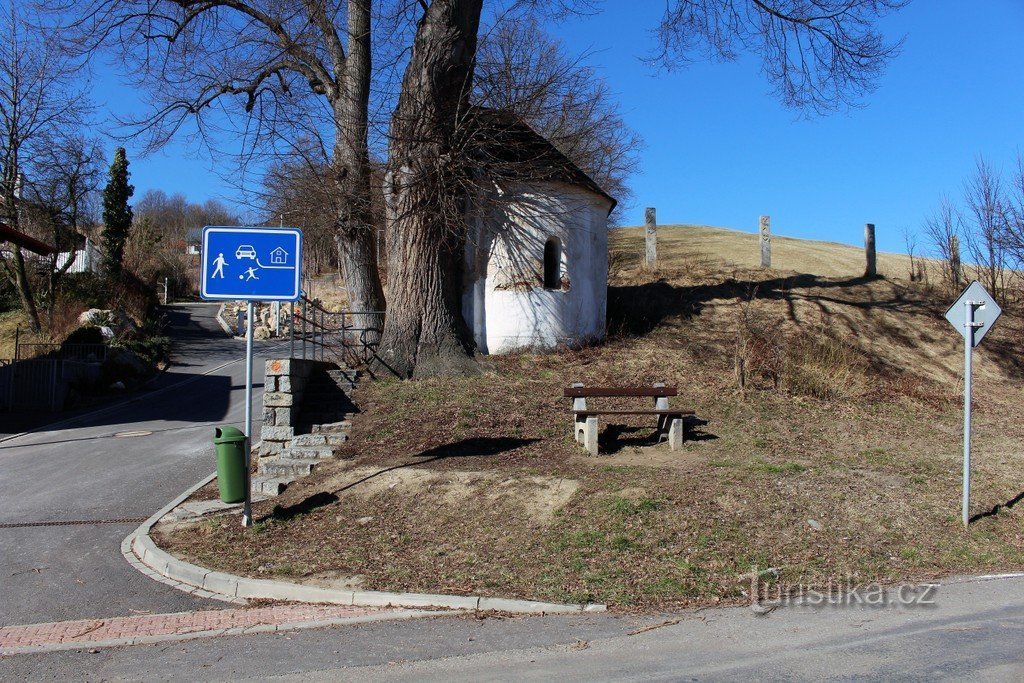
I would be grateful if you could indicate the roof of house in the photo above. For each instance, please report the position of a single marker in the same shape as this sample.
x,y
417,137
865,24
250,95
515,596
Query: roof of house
x,y
8,234
504,144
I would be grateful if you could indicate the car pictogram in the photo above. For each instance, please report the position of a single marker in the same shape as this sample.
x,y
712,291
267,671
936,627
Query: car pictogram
x,y
245,251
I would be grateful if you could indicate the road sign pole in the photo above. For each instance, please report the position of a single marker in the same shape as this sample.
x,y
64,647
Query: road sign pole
x,y
969,326
247,507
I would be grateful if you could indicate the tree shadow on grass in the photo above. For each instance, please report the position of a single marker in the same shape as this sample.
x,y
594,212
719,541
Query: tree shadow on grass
x,y
466,448
998,508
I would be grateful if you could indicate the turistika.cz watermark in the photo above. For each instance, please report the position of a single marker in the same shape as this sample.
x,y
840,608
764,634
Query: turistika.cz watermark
x,y
766,593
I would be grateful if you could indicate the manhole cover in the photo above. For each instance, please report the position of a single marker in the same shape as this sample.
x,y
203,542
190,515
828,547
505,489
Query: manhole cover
x,y
128,435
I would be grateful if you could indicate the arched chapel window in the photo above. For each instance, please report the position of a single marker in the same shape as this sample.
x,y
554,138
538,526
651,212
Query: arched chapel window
x,y
553,263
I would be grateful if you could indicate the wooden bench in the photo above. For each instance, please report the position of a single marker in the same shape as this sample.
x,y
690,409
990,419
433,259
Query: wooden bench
x,y
670,421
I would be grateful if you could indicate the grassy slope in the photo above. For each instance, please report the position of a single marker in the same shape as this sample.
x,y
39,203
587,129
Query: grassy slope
x,y
492,496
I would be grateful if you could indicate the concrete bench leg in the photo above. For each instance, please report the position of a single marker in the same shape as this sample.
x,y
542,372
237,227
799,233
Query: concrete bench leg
x,y
590,435
579,429
675,434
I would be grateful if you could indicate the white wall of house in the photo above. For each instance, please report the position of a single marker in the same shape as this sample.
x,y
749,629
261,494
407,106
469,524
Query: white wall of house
x,y
505,302
86,260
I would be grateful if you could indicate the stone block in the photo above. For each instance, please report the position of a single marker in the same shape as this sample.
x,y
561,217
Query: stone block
x,y
277,400
276,433
222,584
271,448
278,366
285,417
269,416
270,384
283,384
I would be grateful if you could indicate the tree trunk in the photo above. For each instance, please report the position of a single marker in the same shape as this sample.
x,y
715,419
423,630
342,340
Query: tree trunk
x,y
424,332
357,251
25,290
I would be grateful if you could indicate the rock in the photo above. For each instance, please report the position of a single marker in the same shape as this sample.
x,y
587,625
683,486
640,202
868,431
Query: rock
x,y
121,362
112,320
107,332
261,332
814,524
95,317
363,521
117,386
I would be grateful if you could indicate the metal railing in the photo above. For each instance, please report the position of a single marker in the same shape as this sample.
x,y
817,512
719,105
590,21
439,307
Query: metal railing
x,y
346,337
40,374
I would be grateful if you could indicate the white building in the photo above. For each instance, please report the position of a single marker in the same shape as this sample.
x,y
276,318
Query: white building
x,y
536,263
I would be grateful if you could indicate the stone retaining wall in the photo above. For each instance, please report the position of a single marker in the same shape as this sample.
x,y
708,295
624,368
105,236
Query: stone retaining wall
x,y
284,384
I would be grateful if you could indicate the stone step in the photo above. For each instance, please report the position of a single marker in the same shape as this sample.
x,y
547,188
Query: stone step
x,y
288,467
337,438
332,427
307,453
270,486
302,440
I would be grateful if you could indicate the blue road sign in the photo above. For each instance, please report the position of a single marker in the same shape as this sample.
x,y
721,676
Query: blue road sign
x,y
253,264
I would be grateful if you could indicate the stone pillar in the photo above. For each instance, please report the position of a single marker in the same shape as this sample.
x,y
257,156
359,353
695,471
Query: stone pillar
x,y
652,237
869,250
766,242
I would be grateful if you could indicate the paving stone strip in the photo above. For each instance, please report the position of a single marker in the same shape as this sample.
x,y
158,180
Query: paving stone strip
x,y
154,627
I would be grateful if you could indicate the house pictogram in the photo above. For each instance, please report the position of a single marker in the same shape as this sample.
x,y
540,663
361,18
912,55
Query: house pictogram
x,y
279,256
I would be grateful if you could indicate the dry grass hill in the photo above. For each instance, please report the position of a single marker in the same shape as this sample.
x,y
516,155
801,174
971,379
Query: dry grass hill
x,y
827,446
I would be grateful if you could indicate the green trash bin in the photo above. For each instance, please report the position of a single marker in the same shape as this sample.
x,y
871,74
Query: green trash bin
x,y
231,478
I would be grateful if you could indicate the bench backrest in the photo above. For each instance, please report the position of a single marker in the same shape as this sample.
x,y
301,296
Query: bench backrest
x,y
600,392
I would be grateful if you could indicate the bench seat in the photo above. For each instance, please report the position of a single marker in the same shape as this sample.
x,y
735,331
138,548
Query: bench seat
x,y
670,421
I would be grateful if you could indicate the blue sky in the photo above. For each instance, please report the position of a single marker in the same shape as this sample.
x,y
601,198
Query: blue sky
x,y
720,150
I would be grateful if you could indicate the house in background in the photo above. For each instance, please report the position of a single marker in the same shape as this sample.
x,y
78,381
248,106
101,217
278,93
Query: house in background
x,y
85,259
193,241
536,256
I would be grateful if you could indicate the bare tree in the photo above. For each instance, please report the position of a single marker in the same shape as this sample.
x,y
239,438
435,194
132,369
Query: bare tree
x,y
522,69
818,55
943,232
1011,238
918,273
64,188
272,67
38,102
424,332
985,226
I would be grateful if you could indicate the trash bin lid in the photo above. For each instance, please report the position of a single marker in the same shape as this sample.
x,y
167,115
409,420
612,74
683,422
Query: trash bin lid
x,y
227,435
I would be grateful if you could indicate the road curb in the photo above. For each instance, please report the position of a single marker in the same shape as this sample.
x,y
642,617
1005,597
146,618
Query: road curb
x,y
142,553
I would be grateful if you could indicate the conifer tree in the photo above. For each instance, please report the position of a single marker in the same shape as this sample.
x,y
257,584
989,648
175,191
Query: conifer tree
x,y
117,214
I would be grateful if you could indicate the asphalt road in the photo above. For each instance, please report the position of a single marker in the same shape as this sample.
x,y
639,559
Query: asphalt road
x,y
82,471
974,631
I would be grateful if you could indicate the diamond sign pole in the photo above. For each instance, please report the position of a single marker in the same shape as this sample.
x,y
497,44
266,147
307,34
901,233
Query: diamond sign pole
x,y
973,315
969,327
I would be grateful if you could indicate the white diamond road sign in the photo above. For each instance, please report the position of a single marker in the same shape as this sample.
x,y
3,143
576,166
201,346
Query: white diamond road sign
x,y
251,264
986,312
